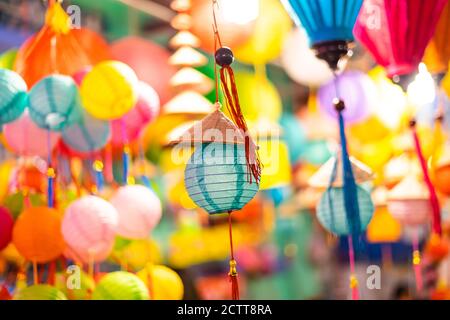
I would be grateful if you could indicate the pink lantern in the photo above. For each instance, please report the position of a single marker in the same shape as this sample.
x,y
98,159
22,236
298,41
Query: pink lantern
x,y
27,139
148,60
397,32
130,125
6,227
353,87
139,211
89,229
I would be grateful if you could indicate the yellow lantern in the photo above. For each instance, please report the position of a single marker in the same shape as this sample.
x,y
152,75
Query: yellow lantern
x,y
163,283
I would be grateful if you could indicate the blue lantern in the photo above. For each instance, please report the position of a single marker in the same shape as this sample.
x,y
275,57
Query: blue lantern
x,y
328,23
87,135
13,96
216,177
55,102
332,212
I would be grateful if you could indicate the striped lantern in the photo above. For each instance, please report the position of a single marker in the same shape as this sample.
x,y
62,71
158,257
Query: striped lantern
x,y
39,292
54,102
13,96
120,285
331,210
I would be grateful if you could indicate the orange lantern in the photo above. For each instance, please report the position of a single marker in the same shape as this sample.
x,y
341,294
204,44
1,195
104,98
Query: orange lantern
x,y
58,47
32,179
437,247
441,174
37,234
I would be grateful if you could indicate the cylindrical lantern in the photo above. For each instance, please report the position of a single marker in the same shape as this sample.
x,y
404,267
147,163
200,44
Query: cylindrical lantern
x,y
27,139
37,234
54,102
89,227
109,90
332,214
120,285
87,135
216,177
6,227
39,292
139,211
130,125
409,201
163,283
13,96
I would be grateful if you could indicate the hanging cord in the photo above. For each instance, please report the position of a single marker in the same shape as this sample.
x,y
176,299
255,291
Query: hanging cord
x,y
233,264
51,175
217,43
416,260
434,202
350,193
125,154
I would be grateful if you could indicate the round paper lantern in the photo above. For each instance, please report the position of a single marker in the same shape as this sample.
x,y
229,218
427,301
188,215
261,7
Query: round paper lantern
x,y
87,135
13,96
163,283
216,178
383,228
355,89
139,211
316,152
442,179
109,90
89,227
87,285
332,214
232,34
409,202
54,102
120,285
258,97
37,234
157,72
7,59
6,227
27,139
59,48
301,63
266,41
39,292
130,125
138,253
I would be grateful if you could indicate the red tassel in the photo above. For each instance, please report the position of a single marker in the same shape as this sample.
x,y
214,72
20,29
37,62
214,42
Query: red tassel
x,y
233,275
234,108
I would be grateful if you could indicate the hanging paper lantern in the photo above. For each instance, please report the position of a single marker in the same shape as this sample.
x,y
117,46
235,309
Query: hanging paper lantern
x,y
7,59
138,253
109,90
139,211
13,96
216,178
88,135
156,72
393,31
355,88
301,63
332,215
316,152
266,41
89,227
131,124
54,102
441,174
163,283
437,54
120,285
27,139
37,234
6,227
258,97
329,25
39,292
57,48
409,201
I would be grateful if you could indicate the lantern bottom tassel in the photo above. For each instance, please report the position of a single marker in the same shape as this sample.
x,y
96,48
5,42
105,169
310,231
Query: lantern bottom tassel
x,y
233,275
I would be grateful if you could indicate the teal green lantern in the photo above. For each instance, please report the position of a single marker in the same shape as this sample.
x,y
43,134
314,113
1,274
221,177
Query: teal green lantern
x,y
331,211
13,96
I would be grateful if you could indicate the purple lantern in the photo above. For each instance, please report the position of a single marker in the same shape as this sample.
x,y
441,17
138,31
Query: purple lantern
x,y
355,89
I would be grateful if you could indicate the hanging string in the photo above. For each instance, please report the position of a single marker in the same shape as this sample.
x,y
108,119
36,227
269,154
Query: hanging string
x,y
436,211
217,43
417,261
35,273
50,174
233,275
353,278
125,154
98,172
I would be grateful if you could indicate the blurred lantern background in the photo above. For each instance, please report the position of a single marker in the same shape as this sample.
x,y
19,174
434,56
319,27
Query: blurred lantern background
x,y
90,109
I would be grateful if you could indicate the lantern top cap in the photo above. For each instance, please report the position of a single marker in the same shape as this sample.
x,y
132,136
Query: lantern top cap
x,y
410,188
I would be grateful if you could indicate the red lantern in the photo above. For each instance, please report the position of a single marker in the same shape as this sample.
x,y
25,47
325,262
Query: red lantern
x,y
397,32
